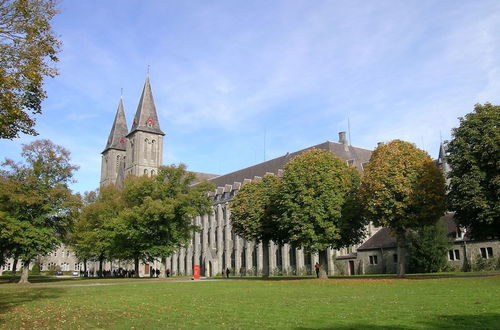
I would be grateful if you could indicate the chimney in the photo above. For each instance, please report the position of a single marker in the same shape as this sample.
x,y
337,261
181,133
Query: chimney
x,y
342,138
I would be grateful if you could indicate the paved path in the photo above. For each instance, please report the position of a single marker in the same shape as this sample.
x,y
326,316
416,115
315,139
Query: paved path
x,y
205,279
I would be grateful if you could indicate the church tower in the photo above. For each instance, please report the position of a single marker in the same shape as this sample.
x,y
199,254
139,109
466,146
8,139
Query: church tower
x,y
145,140
114,152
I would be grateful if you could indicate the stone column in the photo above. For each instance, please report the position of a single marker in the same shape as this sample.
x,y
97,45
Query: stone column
x,y
330,270
272,258
301,268
285,252
259,258
197,244
237,254
227,244
182,265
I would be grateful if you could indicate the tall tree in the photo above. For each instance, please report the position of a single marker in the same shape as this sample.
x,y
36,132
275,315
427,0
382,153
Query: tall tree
x,y
36,205
92,235
474,158
28,50
158,213
402,189
254,214
318,204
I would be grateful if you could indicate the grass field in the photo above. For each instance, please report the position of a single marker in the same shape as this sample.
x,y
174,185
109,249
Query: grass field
x,y
469,303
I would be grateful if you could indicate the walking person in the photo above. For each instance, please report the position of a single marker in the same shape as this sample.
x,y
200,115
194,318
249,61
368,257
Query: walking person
x,y
227,272
316,268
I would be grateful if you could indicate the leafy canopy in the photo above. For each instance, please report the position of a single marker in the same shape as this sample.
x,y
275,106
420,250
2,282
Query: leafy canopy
x,y
36,205
474,157
28,48
317,202
402,188
253,210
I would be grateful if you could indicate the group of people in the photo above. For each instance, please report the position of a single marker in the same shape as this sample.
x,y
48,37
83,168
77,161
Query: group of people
x,y
154,272
120,272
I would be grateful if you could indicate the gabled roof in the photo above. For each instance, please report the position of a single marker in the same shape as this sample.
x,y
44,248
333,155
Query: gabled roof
x,y
119,130
384,239
343,151
146,118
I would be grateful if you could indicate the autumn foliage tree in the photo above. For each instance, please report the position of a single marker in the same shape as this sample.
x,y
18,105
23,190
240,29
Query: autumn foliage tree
x,y
28,50
36,206
474,158
402,189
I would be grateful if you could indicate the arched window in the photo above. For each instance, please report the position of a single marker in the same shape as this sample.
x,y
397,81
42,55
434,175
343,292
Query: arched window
x,y
117,162
145,172
152,172
153,150
146,142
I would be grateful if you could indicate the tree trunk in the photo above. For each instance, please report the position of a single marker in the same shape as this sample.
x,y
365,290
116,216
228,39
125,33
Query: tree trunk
x,y
323,264
265,259
401,256
25,272
136,265
100,267
163,267
14,266
84,267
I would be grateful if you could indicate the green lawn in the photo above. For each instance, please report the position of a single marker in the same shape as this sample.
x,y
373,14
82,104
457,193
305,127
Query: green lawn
x,y
253,304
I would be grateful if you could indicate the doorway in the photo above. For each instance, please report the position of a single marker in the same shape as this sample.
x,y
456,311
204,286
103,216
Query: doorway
x,y
351,267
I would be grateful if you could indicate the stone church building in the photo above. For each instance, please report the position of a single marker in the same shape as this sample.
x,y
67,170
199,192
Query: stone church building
x,y
216,247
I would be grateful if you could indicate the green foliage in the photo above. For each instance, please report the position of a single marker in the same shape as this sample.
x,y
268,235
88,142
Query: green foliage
x,y
318,206
36,206
482,264
28,48
93,234
35,270
474,157
158,213
428,247
253,210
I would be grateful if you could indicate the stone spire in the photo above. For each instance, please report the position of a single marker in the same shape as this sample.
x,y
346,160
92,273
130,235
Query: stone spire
x,y
119,131
146,118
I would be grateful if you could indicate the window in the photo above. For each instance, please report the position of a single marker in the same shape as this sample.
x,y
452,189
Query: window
x,y
395,257
153,150
487,252
152,172
117,162
373,260
350,162
454,254
146,142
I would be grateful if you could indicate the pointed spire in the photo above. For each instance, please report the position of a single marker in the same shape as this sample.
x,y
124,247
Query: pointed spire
x,y
146,118
119,131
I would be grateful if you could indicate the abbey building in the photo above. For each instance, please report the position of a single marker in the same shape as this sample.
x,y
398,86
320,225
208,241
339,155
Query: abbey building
x,y
137,152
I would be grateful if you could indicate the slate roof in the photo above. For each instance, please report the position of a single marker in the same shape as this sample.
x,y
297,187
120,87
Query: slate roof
x,y
119,130
383,238
203,176
146,118
343,151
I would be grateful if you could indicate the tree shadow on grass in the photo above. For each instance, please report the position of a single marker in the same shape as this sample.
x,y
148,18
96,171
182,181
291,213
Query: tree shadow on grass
x,y
477,321
25,295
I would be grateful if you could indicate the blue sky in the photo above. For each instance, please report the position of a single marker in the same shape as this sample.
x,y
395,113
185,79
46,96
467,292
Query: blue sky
x,y
227,73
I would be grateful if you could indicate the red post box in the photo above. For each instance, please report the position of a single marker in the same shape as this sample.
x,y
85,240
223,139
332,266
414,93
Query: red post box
x,y
196,272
